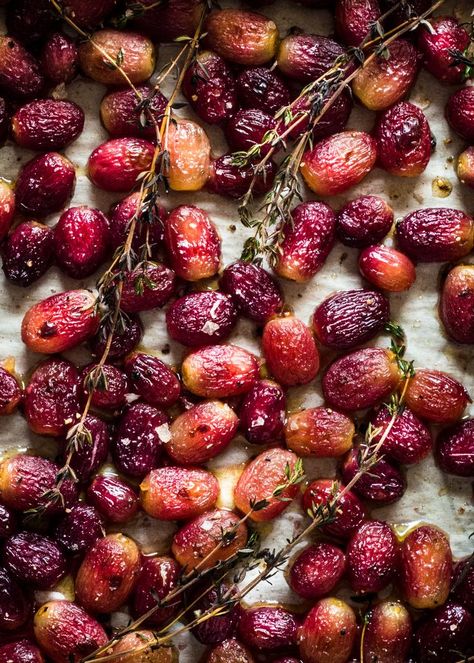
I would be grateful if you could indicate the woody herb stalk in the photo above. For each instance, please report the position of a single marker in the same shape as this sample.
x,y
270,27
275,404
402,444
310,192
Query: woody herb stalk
x,y
268,222
151,184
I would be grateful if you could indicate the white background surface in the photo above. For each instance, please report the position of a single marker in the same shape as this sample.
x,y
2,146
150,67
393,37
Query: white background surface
x,y
431,496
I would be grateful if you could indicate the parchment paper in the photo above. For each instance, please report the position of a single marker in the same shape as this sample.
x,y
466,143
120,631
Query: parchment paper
x,y
431,496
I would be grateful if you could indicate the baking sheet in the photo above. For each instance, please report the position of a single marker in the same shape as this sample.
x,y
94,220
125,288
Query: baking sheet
x,y
431,496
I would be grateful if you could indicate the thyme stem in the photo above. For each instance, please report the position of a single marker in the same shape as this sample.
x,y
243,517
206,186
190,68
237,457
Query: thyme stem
x,y
88,37
110,284
272,561
269,228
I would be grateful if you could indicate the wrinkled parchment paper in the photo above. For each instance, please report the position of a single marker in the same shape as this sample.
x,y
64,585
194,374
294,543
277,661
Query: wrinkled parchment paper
x,y
431,496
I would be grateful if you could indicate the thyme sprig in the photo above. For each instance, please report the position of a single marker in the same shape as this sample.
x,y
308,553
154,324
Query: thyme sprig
x,y
269,561
275,560
134,10
398,347
151,183
269,220
113,63
243,561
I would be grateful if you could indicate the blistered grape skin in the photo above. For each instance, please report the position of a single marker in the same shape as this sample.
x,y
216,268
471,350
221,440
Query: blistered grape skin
x,y
123,342
115,164
364,221
460,112
383,82
60,58
87,459
88,14
339,162
11,392
403,138
319,432
385,484
426,567
455,449
158,577
34,560
219,371
201,318
259,480
350,509
194,545
408,441
255,293
47,124
436,234
437,44
20,74
178,493
354,19
350,318
328,632
262,88
456,307
52,397
193,243
60,322
45,184
267,628
201,432
209,86
165,23
241,37
25,479
290,351
79,529
152,379
262,413
114,499
372,557
138,59
15,604
386,268
81,241
436,396
317,570
28,253
147,287
360,379
137,445
306,57
120,217
307,241
108,573
109,394
67,632
247,128
440,635
190,156
120,112
388,634
21,651
232,181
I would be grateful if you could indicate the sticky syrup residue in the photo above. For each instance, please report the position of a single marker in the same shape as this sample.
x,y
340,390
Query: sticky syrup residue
x,y
441,187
